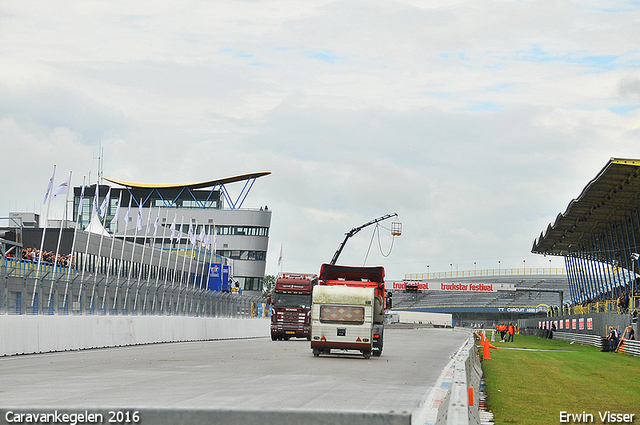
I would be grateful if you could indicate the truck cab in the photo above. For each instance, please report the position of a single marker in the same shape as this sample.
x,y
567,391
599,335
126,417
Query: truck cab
x,y
291,306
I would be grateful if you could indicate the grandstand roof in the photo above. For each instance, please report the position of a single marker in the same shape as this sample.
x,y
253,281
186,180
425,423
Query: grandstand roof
x,y
608,198
197,185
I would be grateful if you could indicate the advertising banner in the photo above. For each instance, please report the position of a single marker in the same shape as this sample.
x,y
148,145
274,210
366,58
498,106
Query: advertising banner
x,y
225,278
215,277
451,286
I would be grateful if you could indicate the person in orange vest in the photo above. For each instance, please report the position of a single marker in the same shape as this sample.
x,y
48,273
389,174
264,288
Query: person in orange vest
x,y
502,328
511,330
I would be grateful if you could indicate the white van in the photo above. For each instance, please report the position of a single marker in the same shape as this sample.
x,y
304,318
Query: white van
x,y
342,318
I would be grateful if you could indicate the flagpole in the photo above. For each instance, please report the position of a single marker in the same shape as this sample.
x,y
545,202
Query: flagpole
x,y
133,249
124,243
166,275
103,212
109,265
94,212
153,245
164,231
73,243
184,262
193,248
47,198
175,271
55,259
204,245
144,246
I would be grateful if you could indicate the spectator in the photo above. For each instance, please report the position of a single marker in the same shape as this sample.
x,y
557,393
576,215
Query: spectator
x,y
612,339
630,332
511,330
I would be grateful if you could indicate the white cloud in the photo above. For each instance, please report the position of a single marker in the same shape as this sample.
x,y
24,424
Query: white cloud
x,y
477,122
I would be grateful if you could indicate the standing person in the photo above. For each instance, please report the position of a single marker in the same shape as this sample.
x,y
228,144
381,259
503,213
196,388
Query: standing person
x,y
612,339
502,328
511,330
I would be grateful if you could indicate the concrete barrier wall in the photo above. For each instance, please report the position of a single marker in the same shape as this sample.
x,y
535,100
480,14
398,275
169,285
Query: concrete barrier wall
x,y
21,334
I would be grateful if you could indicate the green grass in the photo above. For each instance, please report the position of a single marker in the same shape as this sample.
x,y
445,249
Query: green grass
x,y
533,387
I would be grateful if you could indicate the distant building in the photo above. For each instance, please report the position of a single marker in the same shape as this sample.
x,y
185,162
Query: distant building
x,y
241,234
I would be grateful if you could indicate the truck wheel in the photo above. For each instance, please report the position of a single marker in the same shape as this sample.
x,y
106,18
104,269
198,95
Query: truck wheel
x,y
366,354
377,353
316,352
274,337
309,338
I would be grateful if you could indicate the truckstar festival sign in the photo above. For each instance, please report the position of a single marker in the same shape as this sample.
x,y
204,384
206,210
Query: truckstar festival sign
x,y
456,287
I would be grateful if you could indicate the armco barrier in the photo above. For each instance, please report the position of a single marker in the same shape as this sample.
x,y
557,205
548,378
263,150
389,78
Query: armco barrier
x,y
456,400
39,334
584,339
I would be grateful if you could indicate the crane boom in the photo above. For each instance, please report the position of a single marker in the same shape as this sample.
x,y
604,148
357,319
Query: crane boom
x,y
356,230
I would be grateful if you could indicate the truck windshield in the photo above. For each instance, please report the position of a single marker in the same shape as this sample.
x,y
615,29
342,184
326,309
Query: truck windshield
x,y
293,300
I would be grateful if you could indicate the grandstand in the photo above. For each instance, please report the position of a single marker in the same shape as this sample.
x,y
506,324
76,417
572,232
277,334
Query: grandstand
x,y
490,306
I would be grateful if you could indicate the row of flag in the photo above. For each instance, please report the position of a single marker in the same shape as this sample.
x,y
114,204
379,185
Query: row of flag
x,y
101,209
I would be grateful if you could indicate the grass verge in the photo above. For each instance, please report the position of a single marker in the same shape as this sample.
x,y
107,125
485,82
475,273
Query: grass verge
x,y
532,386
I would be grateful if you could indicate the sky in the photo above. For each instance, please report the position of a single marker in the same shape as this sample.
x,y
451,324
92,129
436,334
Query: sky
x,y
477,122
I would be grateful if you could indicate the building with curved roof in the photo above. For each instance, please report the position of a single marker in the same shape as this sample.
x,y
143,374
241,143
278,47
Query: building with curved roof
x,y
240,235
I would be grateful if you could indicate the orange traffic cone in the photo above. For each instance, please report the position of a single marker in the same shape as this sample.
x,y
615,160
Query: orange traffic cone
x,y
486,352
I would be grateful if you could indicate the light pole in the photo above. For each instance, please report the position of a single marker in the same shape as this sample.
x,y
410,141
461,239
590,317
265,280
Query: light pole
x,y
475,269
635,256
427,271
524,266
498,267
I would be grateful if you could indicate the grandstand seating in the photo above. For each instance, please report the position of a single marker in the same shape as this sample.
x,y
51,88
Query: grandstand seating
x,y
402,299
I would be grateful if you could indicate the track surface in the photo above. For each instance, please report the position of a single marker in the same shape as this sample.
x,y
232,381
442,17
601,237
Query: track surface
x,y
233,374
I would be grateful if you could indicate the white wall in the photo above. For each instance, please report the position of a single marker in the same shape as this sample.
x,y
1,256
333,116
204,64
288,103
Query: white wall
x,y
21,334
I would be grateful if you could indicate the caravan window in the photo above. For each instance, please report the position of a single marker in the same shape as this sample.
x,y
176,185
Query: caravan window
x,y
346,314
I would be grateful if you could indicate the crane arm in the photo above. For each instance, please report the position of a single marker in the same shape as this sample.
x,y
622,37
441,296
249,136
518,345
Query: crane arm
x,y
356,230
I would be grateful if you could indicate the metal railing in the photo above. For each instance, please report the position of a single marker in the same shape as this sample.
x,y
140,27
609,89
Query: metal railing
x,y
25,289
608,306
522,271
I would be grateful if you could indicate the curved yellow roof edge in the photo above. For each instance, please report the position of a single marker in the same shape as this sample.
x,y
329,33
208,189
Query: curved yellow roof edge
x,y
624,161
196,185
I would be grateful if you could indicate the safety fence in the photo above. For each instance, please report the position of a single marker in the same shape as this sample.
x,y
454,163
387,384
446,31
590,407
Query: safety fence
x,y
609,306
522,271
28,289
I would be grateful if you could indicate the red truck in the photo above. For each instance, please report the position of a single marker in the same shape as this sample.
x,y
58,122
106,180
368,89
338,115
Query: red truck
x,y
291,306
357,277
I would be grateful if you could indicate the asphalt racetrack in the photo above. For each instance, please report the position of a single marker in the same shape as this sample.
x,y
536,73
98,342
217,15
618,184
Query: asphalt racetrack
x,y
247,374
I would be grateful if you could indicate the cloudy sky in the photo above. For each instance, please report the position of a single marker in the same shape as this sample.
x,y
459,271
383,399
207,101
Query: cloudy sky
x,y
476,121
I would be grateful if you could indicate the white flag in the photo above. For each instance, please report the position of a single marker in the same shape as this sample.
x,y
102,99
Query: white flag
x,y
280,257
149,221
80,204
139,224
105,203
173,228
215,238
115,217
207,242
49,186
127,215
155,224
203,236
95,203
192,236
62,189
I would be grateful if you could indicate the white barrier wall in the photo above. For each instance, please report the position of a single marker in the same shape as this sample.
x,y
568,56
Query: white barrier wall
x,y
21,334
